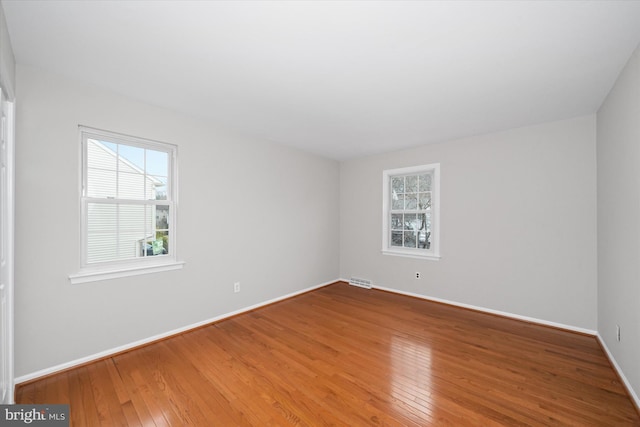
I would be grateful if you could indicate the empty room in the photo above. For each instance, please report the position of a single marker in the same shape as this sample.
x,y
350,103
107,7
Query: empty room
x,y
400,213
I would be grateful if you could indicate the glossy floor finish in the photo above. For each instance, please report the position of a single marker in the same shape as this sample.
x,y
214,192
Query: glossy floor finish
x,y
342,355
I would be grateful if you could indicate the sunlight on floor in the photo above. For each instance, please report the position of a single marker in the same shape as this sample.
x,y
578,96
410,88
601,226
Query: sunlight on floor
x,y
411,386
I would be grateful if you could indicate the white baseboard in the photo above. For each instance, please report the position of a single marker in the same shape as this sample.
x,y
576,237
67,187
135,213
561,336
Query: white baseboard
x,y
488,310
624,379
106,353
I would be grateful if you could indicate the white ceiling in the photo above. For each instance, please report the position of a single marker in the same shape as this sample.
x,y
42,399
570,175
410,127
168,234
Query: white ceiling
x,y
340,79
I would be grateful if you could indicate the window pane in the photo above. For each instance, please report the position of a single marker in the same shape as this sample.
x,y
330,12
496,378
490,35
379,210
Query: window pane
x,y
409,239
157,163
411,201
424,202
157,247
159,190
424,182
398,202
411,184
131,158
154,247
397,184
396,238
396,222
424,240
424,237
162,217
163,238
411,222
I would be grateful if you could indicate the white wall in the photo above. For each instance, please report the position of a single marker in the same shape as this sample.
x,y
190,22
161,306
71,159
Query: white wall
x,y
249,211
618,151
518,215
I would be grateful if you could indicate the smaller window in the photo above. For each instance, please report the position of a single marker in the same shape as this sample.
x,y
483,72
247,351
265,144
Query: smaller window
x,y
128,205
411,205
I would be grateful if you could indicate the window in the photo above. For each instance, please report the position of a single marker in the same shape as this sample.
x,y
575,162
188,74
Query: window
x,y
411,204
128,206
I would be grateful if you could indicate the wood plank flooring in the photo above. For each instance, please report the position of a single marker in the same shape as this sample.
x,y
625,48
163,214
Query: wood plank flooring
x,y
342,355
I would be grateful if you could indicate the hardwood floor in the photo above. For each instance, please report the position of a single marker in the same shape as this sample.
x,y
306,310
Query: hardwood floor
x,y
342,355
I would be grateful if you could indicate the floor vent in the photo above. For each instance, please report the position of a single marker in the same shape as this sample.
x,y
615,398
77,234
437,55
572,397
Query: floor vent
x,y
363,283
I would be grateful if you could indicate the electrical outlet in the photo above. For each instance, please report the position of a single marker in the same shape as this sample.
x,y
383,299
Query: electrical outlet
x,y
618,332
236,287
417,275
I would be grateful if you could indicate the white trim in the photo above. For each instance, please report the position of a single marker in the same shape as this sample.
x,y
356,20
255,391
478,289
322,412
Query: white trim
x,y
10,240
122,138
133,345
400,252
488,310
491,311
630,390
85,276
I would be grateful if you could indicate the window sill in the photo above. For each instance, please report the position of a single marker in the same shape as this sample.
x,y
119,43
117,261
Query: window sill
x,y
94,275
411,254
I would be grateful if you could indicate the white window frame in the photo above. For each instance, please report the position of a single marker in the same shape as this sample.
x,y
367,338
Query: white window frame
x,y
90,272
433,253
